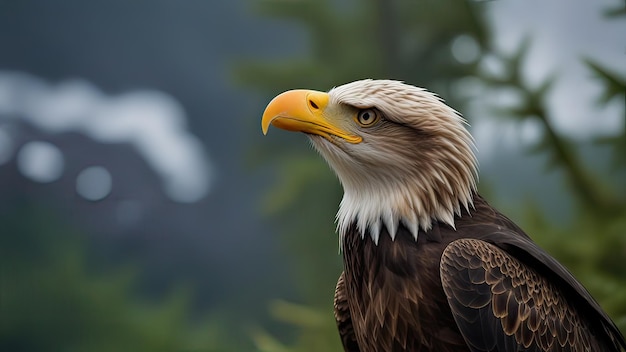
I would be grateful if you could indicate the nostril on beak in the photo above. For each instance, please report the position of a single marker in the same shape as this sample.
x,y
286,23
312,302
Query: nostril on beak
x,y
313,105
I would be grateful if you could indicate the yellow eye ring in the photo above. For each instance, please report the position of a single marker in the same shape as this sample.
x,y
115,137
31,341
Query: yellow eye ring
x,y
367,117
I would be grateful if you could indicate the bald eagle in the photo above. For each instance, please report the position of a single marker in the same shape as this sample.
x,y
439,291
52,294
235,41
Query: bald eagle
x,y
429,265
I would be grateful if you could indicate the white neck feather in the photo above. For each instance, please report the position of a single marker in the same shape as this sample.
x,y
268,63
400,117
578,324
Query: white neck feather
x,y
375,208
393,205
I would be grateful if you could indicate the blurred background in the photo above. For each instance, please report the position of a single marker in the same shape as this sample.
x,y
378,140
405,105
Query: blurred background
x,y
142,210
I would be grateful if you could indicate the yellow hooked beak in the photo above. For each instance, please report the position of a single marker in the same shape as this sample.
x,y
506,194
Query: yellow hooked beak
x,y
303,111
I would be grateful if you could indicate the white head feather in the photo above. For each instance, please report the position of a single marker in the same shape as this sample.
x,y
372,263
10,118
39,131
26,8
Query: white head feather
x,y
414,167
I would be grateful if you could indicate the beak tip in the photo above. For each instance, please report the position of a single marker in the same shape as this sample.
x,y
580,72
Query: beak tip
x,y
265,124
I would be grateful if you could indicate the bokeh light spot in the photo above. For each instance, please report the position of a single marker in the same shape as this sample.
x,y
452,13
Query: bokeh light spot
x,y
465,49
94,183
40,161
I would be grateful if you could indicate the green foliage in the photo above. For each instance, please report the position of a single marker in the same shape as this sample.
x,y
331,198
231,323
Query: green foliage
x,y
49,299
614,88
319,324
560,150
377,39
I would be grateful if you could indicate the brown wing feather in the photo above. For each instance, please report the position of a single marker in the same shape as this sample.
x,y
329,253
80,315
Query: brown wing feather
x,y
500,304
343,317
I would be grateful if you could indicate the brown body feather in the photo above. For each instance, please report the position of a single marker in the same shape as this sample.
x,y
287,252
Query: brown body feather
x,y
500,292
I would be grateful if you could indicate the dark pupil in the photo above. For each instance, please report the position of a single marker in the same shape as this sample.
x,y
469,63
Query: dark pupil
x,y
365,116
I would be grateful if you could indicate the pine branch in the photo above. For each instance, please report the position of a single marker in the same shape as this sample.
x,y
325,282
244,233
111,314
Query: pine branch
x,y
533,105
614,88
614,85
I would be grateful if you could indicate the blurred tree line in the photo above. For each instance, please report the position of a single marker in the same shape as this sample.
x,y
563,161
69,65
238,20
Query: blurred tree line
x,y
53,298
414,41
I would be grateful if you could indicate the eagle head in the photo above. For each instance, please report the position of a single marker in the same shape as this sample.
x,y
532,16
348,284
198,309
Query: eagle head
x,y
403,157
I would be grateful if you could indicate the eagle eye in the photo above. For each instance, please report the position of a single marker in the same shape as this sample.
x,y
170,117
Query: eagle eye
x,y
367,117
